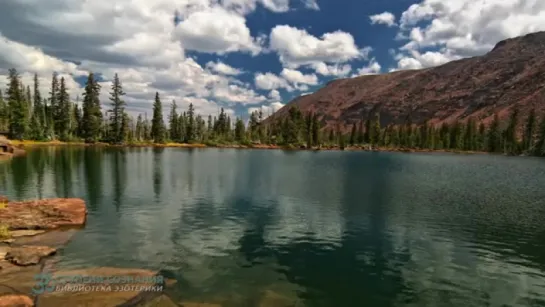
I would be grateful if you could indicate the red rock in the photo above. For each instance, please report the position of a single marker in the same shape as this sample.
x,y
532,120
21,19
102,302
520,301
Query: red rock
x,y
28,255
3,199
512,74
44,213
15,301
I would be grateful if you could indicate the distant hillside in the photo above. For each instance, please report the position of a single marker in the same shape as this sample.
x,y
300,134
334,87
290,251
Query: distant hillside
x,y
512,74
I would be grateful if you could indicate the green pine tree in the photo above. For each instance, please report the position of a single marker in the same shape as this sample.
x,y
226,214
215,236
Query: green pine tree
x,y
117,111
539,149
367,134
481,142
63,104
240,131
125,128
28,100
361,132
308,130
18,113
54,102
157,123
77,118
315,130
173,123
374,137
353,135
190,124
494,135
91,121
470,136
39,111
445,136
511,142
529,131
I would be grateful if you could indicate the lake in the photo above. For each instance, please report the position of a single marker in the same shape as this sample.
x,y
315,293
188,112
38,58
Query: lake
x,y
331,228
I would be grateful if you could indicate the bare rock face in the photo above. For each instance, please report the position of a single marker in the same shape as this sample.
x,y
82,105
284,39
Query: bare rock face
x,y
3,199
16,279
44,213
28,255
15,301
512,74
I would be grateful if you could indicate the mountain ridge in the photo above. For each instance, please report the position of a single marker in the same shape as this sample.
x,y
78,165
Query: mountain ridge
x,y
512,74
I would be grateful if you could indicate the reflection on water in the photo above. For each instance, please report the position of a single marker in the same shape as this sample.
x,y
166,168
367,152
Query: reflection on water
x,y
315,229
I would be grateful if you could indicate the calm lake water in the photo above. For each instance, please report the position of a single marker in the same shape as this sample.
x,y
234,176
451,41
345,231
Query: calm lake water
x,y
335,229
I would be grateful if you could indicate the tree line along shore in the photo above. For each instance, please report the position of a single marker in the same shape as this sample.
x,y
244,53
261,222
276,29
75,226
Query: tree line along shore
x,y
28,117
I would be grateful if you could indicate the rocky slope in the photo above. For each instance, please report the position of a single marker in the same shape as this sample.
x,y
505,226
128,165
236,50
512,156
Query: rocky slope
x,y
512,74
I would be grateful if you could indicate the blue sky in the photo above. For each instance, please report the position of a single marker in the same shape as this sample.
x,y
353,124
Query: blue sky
x,y
245,55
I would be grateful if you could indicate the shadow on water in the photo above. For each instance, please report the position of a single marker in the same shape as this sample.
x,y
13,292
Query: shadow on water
x,y
39,162
157,171
354,272
119,174
93,169
20,170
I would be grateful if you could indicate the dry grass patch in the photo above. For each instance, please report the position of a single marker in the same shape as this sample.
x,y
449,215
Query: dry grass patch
x,y
4,232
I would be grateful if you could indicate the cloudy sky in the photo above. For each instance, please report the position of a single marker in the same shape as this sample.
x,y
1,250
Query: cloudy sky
x,y
245,54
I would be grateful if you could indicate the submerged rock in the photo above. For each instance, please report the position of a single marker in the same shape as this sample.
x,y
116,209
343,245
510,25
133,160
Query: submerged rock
x,y
15,301
28,255
52,238
44,213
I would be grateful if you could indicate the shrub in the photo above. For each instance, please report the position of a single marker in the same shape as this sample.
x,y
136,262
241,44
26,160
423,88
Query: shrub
x,y
4,232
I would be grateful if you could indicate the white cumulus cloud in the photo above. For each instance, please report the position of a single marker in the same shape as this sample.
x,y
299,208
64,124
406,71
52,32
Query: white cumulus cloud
x,y
223,68
385,18
337,70
297,77
216,30
296,47
372,68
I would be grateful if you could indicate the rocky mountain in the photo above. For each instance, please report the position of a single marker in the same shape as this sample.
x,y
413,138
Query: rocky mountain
x,y
510,75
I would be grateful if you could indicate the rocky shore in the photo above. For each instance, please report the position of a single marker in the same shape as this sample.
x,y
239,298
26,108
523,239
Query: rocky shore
x,y
8,149
32,233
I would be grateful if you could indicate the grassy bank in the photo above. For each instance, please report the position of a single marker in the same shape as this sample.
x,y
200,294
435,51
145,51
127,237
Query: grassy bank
x,y
27,143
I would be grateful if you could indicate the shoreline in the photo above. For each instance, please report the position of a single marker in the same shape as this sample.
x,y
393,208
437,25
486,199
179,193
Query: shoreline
x,y
23,144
